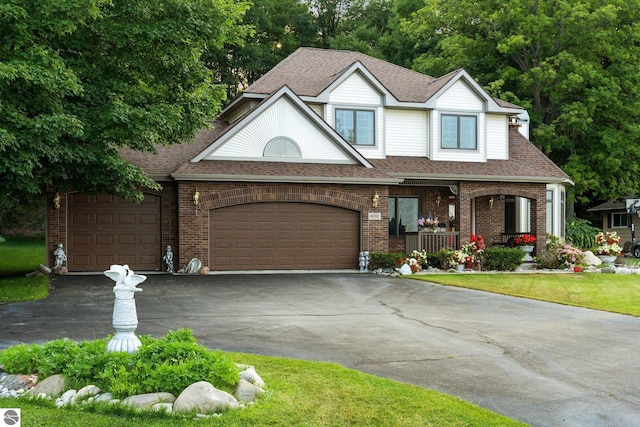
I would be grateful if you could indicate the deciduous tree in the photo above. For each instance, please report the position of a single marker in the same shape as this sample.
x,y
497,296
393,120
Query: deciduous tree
x,y
80,79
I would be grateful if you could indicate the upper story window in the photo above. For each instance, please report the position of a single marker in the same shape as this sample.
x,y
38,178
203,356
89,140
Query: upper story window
x,y
459,132
356,126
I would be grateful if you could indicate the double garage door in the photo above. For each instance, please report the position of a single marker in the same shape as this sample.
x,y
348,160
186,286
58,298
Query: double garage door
x,y
105,230
283,236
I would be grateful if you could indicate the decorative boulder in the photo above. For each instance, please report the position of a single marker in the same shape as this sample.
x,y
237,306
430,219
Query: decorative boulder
x,y
202,397
250,375
146,401
591,259
51,386
247,392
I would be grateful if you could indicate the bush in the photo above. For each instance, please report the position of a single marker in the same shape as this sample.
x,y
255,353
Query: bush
x,y
442,258
168,364
580,233
382,260
502,259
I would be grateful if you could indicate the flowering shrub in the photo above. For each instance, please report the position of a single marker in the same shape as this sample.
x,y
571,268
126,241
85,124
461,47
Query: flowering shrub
x,y
569,255
608,243
525,239
469,251
421,257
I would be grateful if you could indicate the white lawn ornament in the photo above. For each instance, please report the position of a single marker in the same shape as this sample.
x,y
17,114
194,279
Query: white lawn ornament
x,y
125,318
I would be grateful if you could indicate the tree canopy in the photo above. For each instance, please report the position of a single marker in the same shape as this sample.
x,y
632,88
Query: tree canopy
x,y
574,65
80,79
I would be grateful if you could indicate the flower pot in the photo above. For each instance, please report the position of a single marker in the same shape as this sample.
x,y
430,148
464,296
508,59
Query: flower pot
x,y
607,259
527,249
577,269
460,267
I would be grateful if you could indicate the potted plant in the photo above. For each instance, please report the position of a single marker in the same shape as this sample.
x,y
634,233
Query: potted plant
x,y
608,248
525,242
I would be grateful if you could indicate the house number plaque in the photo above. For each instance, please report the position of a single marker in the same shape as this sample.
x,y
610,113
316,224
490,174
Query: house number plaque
x,y
375,216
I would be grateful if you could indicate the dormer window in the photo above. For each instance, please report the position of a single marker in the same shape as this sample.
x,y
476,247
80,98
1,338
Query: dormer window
x,y
356,126
459,132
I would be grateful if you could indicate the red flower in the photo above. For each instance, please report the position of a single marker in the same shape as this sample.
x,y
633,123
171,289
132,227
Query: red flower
x,y
525,239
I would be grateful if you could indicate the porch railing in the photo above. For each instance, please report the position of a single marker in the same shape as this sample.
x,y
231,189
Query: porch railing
x,y
432,242
507,236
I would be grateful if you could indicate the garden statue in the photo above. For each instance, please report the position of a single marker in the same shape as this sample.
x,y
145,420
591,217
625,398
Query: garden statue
x,y
168,259
125,318
60,256
363,261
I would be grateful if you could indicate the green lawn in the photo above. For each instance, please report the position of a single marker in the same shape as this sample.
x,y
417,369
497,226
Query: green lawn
x,y
19,256
302,393
618,293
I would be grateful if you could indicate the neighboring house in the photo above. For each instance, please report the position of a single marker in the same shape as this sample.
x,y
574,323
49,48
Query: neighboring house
x,y
328,154
623,218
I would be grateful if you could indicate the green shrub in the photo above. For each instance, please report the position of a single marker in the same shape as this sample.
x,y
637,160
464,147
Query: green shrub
x,y
167,364
384,260
442,257
502,259
580,233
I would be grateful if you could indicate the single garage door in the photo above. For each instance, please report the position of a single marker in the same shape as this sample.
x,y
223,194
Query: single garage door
x,y
283,236
105,230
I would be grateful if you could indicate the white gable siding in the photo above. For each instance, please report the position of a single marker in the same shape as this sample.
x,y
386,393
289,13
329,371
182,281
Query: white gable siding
x,y
497,137
406,133
355,90
285,120
459,97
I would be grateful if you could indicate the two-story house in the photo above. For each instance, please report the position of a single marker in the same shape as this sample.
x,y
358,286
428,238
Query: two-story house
x,y
328,154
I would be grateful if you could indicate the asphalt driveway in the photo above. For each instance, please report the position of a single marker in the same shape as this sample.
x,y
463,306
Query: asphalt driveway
x,y
544,364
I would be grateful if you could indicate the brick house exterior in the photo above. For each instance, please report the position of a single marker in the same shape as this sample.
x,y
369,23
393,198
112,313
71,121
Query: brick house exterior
x,y
325,156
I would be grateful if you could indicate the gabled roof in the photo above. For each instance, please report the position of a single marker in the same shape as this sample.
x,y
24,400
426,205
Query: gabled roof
x,y
309,72
305,110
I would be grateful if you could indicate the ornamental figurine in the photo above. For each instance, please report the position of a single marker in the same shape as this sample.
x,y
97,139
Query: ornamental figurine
x,y
125,318
60,256
168,259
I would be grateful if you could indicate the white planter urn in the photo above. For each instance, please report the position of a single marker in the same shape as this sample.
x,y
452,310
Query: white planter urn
x,y
527,249
607,259
125,317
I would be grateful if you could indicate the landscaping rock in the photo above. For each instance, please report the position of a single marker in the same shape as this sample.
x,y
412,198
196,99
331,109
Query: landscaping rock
x,y
86,392
250,375
146,401
104,397
163,407
591,259
202,397
18,382
247,392
67,398
52,386
44,269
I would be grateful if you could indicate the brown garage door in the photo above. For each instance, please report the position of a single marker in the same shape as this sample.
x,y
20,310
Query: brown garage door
x,y
105,230
283,236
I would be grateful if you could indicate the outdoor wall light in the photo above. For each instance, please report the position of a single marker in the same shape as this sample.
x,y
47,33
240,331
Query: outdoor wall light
x,y
196,198
56,201
374,200
491,202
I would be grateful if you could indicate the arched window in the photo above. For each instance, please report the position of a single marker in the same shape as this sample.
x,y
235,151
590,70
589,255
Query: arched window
x,y
281,146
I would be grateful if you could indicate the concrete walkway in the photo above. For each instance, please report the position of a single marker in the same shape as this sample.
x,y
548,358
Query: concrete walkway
x,y
544,364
